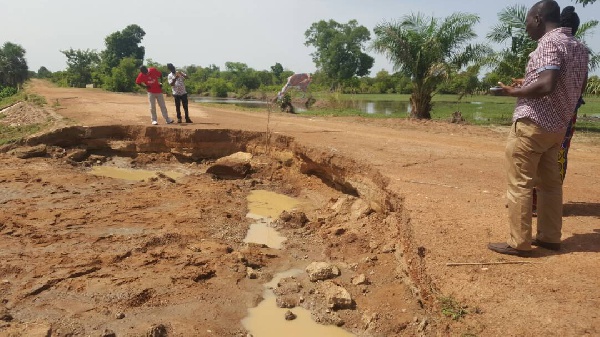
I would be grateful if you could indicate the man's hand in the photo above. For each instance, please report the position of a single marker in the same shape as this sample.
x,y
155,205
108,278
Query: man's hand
x,y
507,89
544,85
517,82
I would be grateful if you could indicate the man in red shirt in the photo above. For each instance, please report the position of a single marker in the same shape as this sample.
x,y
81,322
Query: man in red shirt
x,y
555,75
151,80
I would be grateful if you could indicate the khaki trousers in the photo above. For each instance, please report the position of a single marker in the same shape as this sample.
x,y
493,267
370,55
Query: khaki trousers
x,y
531,154
152,98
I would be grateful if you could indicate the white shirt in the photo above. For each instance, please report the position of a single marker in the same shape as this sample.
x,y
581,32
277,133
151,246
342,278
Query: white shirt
x,y
179,86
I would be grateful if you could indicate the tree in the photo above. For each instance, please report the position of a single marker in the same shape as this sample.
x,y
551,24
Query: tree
x,y
122,76
464,82
43,72
242,77
13,66
339,49
585,2
511,61
277,69
122,44
427,49
80,66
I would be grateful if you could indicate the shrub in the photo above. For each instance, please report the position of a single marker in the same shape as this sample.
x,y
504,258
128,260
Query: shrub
x,y
7,92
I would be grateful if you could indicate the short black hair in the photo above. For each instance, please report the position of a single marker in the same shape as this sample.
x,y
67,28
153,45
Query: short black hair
x,y
568,18
548,10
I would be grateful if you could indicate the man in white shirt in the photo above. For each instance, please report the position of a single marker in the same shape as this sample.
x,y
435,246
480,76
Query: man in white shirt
x,y
176,80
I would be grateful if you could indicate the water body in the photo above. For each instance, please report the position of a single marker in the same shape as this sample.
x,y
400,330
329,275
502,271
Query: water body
x,y
246,103
268,320
388,108
264,206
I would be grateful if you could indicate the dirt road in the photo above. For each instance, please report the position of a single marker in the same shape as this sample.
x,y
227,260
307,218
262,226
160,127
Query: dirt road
x,y
445,181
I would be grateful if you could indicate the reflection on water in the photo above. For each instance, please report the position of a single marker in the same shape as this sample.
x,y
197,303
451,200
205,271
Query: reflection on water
x,y
387,108
263,206
246,103
370,107
268,320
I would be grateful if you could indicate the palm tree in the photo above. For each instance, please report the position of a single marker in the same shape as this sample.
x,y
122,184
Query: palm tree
x,y
585,29
511,61
585,2
13,66
427,50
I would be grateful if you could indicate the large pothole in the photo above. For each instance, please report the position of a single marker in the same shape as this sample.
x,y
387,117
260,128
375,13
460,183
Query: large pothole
x,y
85,254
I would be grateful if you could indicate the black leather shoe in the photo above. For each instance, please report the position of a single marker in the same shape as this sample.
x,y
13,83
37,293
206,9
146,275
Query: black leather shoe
x,y
504,248
187,120
547,245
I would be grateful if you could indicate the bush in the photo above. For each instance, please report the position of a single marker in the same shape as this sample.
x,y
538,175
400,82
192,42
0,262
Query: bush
x,y
285,103
217,87
7,92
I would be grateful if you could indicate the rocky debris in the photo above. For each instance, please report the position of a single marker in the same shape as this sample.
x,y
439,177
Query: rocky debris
x,y
77,155
360,209
286,158
108,333
235,166
293,219
290,316
139,299
336,296
163,176
5,315
288,293
29,151
288,285
359,280
368,318
255,255
96,159
40,329
122,145
287,301
158,331
327,317
251,273
318,271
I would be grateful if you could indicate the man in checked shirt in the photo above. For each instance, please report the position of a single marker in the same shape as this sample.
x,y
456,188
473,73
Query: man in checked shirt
x,y
555,77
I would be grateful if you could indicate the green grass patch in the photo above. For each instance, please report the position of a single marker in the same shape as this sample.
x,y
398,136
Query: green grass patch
x,y
11,134
452,309
478,109
20,96
36,99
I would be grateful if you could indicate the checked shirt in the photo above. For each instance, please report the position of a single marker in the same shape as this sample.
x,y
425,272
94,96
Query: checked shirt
x,y
557,50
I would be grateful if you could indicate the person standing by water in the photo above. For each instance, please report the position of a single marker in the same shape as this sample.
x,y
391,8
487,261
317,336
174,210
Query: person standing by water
x,y
151,80
555,75
568,18
176,80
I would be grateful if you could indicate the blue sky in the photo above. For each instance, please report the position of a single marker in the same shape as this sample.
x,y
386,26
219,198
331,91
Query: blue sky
x,y
203,32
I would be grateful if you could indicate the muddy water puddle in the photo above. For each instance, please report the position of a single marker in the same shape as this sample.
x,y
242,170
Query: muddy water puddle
x,y
264,206
268,320
131,174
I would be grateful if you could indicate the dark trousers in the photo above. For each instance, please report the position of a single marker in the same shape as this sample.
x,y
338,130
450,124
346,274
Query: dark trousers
x,y
179,99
